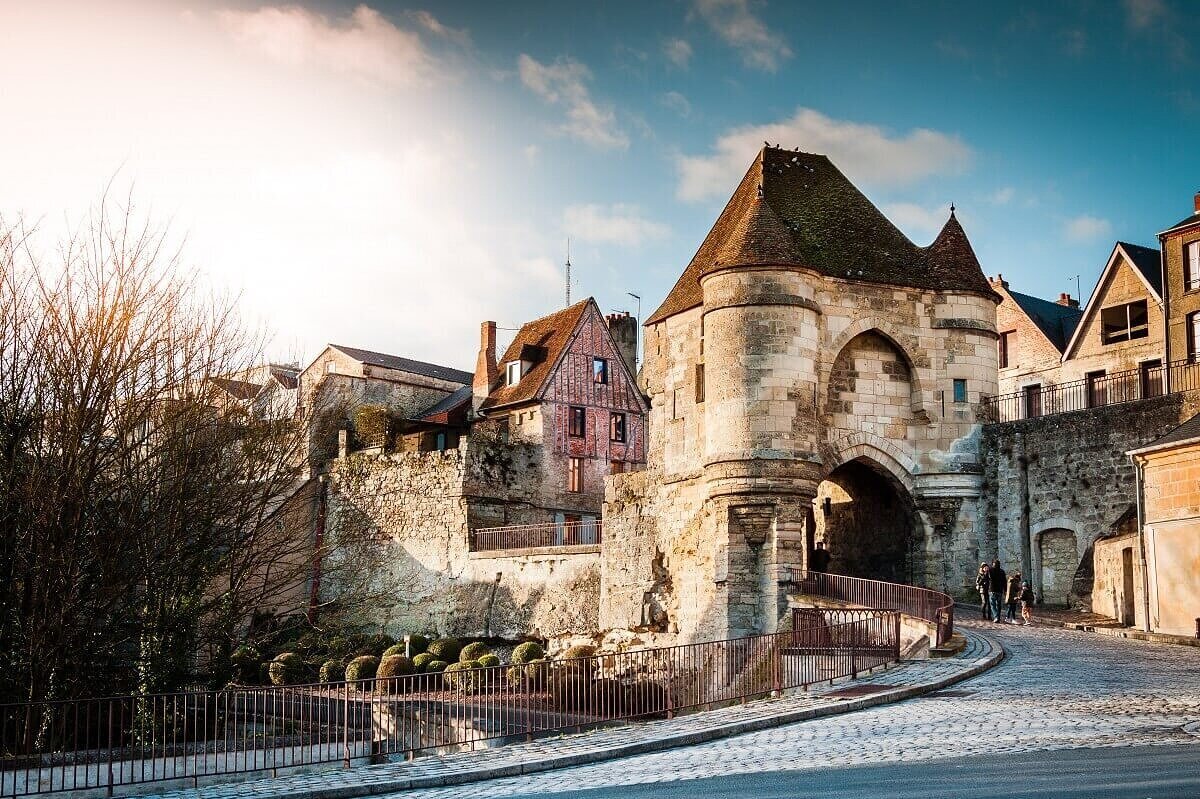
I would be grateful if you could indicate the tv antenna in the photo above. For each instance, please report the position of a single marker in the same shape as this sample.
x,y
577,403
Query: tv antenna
x,y
568,271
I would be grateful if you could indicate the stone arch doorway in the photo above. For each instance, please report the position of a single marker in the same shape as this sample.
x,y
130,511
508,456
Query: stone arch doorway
x,y
868,521
1058,560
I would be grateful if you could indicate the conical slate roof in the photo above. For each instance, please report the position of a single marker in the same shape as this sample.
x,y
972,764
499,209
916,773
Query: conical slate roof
x,y
798,209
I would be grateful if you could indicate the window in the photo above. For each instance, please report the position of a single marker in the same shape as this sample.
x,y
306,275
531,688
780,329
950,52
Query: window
x,y
616,428
960,390
1193,334
575,475
440,442
599,370
514,373
578,422
1005,345
330,367
1191,265
1097,389
1124,322
616,467
1151,377
1033,400
699,382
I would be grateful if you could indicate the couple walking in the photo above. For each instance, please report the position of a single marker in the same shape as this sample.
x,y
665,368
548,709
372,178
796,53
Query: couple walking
x,y
996,587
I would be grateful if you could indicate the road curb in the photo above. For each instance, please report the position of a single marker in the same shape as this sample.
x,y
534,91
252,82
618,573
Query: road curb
x,y
382,784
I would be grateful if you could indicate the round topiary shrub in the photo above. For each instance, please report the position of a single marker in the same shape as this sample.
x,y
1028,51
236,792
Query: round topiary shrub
x,y
286,669
461,677
362,669
436,666
473,651
417,644
332,671
528,652
394,649
245,660
421,661
579,651
394,666
446,649
488,661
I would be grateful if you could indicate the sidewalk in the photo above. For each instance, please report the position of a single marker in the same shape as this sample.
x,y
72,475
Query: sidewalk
x,y
884,686
1105,625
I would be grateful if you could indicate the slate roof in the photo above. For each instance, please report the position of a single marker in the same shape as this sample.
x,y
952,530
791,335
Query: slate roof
x,y
1194,219
1188,430
794,208
551,333
440,411
407,365
1057,322
238,389
1147,261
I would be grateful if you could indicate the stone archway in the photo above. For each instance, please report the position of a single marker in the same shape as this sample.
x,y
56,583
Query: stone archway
x,y
868,521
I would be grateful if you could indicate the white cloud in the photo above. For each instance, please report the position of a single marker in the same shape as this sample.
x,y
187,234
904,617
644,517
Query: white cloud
x,y
736,24
1003,195
432,24
917,221
612,224
678,52
677,103
1142,14
866,153
564,83
1085,228
365,44
530,151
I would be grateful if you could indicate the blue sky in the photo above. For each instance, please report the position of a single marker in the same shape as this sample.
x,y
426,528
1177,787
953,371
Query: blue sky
x,y
386,175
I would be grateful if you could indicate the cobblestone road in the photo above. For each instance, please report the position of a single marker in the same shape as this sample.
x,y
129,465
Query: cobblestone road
x,y
1058,689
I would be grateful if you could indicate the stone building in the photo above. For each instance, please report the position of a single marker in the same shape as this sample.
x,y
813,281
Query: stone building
x,y
1181,256
814,375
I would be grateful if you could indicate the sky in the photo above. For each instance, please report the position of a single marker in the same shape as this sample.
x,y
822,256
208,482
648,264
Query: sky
x,y
386,175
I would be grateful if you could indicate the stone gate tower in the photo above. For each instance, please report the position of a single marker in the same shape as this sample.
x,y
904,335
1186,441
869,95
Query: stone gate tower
x,y
814,376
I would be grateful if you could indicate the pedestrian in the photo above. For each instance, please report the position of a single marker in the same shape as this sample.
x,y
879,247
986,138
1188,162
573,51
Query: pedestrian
x,y
1013,597
999,585
1027,604
983,584
820,558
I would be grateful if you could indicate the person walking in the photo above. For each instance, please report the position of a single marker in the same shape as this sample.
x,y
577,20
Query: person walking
x,y
999,585
983,584
1013,597
1027,599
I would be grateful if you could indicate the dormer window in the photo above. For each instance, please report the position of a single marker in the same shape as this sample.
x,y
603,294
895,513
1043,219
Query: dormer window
x,y
513,375
599,370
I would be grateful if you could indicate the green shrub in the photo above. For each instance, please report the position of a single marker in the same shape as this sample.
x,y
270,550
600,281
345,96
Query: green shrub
x,y
332,671
394,649
473,651
381,641
579,651
421,661
362,668
245,660
394,666
286,669
436,666
528,652
461,677
373,425
417,644
446,649
489,660
536,673
338,646
514,675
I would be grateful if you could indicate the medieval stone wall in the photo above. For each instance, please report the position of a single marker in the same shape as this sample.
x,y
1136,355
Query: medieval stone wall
x,y
1067,472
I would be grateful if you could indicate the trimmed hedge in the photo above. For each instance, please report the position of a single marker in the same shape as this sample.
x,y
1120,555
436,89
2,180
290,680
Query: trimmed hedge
x,y
394,666
417,644
286,669
528,652
460,676
488,661
473,651
446,649
421,661
332,671
362,668
436,666
394,649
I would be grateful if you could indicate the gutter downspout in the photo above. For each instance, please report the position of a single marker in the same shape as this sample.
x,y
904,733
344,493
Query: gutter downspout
x,y
1166,317
1141,530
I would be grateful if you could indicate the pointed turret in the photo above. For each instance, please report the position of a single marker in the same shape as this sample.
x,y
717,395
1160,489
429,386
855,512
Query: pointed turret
x,y
951,259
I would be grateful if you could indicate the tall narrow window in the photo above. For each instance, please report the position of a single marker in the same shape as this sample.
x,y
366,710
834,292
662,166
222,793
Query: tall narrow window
x,y
575,475
1151,377
699,382
1033,400
960,390
440,442
616,428
1124,322
514,373
1005,345
1097,389
1193,334
1191,265
578,422
599,370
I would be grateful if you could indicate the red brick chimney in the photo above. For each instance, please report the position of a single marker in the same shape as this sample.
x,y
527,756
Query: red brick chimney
x,y
1068,300
998,281
1196,202
485,365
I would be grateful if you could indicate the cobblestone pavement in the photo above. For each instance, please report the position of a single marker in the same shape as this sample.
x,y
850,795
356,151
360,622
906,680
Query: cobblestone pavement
x,y
1058,689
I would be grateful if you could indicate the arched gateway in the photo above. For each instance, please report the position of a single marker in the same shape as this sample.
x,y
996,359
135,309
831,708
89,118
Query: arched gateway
x,y
813,375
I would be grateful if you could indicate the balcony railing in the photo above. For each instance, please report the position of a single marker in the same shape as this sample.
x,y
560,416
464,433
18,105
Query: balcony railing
x,y
529,536
932,606
1114,388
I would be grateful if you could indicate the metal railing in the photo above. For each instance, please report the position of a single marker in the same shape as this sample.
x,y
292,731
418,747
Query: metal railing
x,y
110,743
1114,388
526,536
932,606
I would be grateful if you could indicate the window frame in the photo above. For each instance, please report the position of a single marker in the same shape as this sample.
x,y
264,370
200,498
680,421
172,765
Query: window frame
x,y
508,373
959,382
1004,348
1031,400
1129,331
617,432
699,383
599,376
1193,336
574,475
1191,265
576,414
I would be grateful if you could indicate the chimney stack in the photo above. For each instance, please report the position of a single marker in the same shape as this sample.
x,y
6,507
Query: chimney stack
x,y
1068,300
486,371
1196,202
998,282
624,330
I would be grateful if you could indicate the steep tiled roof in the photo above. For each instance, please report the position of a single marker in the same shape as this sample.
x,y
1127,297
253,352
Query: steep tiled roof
x,y
441,410
1057,322
1186,431
1146,260
794,208
551,334
406,365
238,389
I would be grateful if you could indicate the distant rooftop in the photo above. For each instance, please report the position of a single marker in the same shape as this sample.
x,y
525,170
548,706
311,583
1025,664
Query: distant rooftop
x,y
406,365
